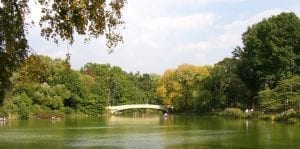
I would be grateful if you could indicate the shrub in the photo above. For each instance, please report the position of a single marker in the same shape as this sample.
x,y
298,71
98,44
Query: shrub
x,y
23,112
267,117
67,110
254,115
3,113
233,113
292,120
286,115
290,113
48,114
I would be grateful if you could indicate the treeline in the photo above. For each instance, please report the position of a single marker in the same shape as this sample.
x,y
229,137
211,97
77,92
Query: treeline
x,y
204,89
263,75
44,87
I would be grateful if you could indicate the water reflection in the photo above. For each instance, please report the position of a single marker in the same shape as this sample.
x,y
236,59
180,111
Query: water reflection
x,y
2,123
116,120
148,132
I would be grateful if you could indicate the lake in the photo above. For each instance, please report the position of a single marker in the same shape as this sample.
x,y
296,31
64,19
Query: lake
x,y
155,132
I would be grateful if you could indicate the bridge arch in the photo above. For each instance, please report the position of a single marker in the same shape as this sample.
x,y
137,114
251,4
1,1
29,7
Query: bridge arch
x,y
114,109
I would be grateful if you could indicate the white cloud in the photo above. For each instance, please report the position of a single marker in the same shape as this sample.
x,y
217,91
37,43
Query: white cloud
x,y
236,28
194,2
180,23
220,46
242,24
158,38
151,45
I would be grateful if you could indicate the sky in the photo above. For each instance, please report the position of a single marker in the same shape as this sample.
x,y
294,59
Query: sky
x,y
162,34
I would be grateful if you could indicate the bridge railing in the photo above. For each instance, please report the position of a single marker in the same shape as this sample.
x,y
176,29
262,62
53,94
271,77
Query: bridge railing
x,y
137,106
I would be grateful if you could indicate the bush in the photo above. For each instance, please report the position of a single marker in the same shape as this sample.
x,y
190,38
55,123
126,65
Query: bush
x,y
286,115
233,113
254,115
3,113
292,120
68,110
48,114
290,113
23,112
268,117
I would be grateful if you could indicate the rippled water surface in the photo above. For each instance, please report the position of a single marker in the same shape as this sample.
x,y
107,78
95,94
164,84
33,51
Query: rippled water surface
x,y
155,132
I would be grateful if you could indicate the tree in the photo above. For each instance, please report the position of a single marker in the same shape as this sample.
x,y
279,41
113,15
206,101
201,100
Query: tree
x,y
222,88
233,87
271,51
119,87
211,90
34,69
178,87
286,95
60,19
13,42
146,84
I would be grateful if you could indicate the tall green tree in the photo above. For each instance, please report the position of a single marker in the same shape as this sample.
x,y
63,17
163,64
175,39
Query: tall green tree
x,y
146,84
212,88
13,42
271,51
234,89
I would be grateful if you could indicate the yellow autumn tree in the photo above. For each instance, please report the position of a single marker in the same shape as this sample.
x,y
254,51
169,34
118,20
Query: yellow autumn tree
x,y
177,87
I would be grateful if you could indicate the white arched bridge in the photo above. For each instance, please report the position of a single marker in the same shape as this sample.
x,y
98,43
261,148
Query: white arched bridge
x,y
114,109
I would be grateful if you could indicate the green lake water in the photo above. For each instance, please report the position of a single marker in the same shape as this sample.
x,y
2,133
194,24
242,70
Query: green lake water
x,y
156,132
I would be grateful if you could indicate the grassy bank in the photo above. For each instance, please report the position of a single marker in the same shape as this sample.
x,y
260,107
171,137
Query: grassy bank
x,y
44,114
288,116
57,114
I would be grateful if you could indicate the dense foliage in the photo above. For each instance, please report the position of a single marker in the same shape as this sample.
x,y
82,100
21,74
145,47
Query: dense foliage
x,y
271,51
284,96
269,62
262,75
45,85
60,19
179,88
